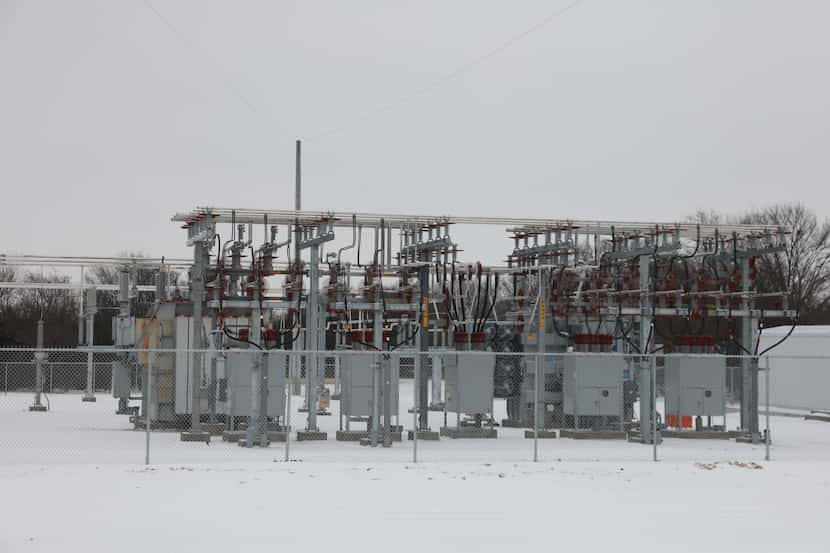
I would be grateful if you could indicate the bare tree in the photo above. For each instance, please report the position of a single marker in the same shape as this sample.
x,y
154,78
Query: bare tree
x,y
803,268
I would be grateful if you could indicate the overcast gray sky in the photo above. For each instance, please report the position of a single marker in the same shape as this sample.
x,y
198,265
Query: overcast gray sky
x,y
110,121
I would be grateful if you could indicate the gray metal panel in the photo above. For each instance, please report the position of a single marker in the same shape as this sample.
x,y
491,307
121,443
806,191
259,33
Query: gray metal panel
x,y
238,366
120,380
277,367
356,385
592,385
695,385
588,401
470,384
360,402
610,401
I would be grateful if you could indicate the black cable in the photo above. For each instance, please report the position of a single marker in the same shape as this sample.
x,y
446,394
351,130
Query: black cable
x,y
393,347
483,312
782,340
461,296
219,251
475,313
495,295
452,294
238,339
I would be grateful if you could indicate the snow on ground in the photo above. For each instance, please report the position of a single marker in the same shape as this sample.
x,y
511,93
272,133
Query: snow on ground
x,y
73,479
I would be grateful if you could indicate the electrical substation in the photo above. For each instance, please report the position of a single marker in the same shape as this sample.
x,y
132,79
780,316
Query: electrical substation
x,y
571,331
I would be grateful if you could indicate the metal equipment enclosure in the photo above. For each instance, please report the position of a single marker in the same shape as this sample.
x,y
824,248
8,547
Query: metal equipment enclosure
x,y
238,366
695,385
357,372
593,386
469,382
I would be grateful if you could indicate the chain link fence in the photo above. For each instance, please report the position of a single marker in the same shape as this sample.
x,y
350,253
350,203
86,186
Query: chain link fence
x,y
104,405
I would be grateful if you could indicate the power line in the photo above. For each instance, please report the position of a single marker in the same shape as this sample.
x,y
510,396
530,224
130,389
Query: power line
x,y
447,77
183,39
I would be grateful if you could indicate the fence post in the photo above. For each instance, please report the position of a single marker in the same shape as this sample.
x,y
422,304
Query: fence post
x,y
536,407
766,401
288,384
654,407
148,403
416,395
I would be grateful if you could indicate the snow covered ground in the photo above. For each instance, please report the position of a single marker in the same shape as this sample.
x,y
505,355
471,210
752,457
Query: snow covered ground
x,y
73,479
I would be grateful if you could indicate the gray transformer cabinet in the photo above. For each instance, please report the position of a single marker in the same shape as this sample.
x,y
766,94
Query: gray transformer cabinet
x,y
593,387
121,381
469,383
356,374
238,385
695,385
549,408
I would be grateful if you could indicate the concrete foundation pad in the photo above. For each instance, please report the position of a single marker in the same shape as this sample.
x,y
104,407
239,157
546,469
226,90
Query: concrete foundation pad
x,y
243,442
593,435
754,439
311,435
190,436
89,399
214,428
396,437
233,435
696,434
543,434
429,435
636,438
38,408
510,423
466,432
351,435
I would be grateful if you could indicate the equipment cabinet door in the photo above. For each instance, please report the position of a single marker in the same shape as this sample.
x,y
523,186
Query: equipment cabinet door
x,y
714,403
691,401
588,401
610,401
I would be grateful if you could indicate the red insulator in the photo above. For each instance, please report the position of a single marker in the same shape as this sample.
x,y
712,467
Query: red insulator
x,y
469,337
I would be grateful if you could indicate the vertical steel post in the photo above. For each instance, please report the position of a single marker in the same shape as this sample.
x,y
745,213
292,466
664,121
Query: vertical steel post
x,y
653,365
197,294
90,392
415,408
39,355
257,431
149,403
298,177
294,375
377,334
749,364
766,404
288,408
421,385
91,309
81,310
644,373
312,336
536,408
